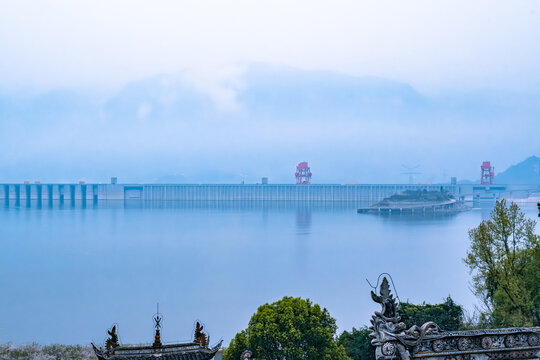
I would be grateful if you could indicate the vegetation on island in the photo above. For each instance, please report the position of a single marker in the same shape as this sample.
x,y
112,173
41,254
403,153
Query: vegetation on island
x,y
437,201
421,196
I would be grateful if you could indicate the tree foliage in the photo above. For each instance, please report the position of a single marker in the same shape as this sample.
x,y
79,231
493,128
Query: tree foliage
x,y
357,344
448,315
504,258
291,329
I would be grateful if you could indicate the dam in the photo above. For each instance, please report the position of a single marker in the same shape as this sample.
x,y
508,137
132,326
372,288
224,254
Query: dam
x,y
358,193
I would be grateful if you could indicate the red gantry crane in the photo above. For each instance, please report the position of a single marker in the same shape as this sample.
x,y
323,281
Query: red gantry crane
x,y
303,174
487,173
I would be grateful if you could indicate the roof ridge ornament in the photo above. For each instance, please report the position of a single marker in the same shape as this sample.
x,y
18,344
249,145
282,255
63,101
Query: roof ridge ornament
x,y
394,341
386,326
112,341
157,324
200,337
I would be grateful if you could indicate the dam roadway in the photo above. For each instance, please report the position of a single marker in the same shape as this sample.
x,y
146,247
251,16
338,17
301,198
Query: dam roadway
x,y
360,193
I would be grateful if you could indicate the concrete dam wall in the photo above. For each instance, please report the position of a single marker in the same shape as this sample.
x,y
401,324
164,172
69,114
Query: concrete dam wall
x,y
365,194
369,193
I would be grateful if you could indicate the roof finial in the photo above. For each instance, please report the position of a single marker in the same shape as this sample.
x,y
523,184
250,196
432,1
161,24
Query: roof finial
x,y
157,318
157,324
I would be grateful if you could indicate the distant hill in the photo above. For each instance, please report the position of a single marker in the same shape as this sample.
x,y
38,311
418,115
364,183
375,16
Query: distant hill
x,y
526,172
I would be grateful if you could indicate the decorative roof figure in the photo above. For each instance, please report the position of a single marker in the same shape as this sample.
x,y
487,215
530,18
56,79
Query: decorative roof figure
x,y
200,336
157,324
393,340
111,342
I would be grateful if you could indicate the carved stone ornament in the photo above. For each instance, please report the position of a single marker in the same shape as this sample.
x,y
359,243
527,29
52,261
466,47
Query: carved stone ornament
x,y
513,355
386,324
533,340
438,345
464,344
486,342
393,341
510,341
388,349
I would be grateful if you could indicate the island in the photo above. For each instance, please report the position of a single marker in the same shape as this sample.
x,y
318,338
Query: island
x,y
417,202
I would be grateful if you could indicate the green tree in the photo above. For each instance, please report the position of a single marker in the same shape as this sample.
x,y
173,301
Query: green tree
x,y
291,329
448,315
504,257
357,344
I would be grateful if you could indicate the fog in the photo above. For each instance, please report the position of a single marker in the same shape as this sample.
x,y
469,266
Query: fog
x,y
214,92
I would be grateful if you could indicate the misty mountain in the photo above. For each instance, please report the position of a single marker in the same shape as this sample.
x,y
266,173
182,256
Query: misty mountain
x,y
47,106
263,91
320,94
261,122
160,97
525,172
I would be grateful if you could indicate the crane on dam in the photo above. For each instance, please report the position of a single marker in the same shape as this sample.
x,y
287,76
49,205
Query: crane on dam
x,y
303,174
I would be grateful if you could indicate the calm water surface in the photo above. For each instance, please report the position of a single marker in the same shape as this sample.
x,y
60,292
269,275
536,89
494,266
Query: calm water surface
x,y
68,272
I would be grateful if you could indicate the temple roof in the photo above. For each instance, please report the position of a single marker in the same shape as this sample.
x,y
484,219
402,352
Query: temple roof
x,y
197,349
185,351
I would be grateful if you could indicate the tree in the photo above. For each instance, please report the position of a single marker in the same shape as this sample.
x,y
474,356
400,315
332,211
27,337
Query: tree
x,y
291,329
504,257
448,315
357,344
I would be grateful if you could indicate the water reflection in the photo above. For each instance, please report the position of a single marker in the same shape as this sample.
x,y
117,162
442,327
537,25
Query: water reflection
x,y
416,217
304,207
303,221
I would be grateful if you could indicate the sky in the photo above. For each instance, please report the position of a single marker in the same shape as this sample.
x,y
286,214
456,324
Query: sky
x,y
214,91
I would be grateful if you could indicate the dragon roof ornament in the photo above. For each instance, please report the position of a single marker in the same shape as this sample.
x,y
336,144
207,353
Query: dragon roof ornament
x,y
394,341
386,325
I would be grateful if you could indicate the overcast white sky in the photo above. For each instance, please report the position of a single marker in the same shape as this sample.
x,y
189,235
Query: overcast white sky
x,y
431,44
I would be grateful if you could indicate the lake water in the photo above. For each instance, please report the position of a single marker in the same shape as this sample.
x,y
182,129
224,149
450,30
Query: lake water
x,y
67,273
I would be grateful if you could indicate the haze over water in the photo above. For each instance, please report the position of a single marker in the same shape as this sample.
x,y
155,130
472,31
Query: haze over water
x,y
68,273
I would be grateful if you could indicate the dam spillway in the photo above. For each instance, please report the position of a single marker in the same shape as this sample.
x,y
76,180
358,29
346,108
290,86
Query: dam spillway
x,y
358,193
